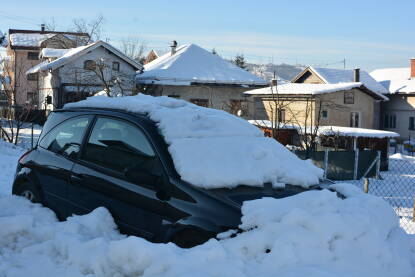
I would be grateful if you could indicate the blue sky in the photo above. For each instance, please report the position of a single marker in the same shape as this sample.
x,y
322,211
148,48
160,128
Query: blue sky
x,y
369,34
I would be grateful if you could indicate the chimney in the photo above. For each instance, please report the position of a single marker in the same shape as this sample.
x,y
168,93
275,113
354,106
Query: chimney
x,y
42,27
173,47
412,68
356,75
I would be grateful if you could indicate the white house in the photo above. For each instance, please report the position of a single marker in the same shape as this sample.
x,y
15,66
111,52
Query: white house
x,y
68,75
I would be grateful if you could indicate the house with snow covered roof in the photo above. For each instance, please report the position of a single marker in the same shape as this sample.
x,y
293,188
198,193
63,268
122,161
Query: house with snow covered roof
x,y
70,75
398,114
23,49
322,96
194,74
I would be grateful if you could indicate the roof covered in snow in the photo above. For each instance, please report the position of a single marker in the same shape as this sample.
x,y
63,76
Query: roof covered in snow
x,y
193,64
29,40
395,80
312,89
53,53
355,132
34,38
334,76
75,53
329,130
211,148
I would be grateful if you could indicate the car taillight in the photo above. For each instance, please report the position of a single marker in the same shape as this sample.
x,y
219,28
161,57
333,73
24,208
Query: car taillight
x,y
24,156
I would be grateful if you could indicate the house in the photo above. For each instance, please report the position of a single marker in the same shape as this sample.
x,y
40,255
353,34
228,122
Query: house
x,y
322,96
68,75
194,74
23,49
399,112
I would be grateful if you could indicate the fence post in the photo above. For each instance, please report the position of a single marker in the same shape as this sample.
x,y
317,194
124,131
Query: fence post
x,y
366,185
356,163
378,166
326,162
31,138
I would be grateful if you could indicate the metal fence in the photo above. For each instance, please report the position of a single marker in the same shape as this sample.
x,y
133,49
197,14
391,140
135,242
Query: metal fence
x,y
345,165
397,187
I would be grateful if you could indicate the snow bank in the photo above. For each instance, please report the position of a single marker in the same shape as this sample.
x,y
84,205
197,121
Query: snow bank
x,y
313,234
9,154
211,148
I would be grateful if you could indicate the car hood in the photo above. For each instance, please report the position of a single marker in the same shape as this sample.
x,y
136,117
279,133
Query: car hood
x,y
245,193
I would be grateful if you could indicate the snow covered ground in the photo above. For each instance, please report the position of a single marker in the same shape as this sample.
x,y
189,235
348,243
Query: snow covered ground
x,y
314,234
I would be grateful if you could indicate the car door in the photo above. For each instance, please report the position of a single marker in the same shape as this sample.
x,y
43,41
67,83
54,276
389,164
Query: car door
x,y
53,162
118,169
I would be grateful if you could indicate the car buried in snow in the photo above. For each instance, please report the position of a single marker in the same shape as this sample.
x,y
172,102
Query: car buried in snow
x,y
88,157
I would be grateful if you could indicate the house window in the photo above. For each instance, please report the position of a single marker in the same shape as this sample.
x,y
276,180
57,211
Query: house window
x,y
355,119
31,98
411,123
237,107
32,55
324,114
116,66
200,102
90,65
390,121
281,115
348,97
32,76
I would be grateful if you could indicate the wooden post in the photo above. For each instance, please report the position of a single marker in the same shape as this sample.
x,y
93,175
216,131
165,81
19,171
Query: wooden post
x,y
356,163
366,185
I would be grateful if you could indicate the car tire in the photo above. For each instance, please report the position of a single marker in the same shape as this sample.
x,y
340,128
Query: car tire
x,y
189,238
29,191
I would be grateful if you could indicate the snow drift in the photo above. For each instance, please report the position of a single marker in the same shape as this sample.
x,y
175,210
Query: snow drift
x,y
311,234
212,148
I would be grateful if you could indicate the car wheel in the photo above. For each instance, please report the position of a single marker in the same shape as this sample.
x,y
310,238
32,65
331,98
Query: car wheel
x,y
30,192
188,238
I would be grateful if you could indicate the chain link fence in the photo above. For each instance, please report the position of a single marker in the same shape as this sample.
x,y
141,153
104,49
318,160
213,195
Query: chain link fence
x,y
397,187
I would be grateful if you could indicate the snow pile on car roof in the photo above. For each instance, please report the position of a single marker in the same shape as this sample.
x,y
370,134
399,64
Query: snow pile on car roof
x,y
314,234
211,148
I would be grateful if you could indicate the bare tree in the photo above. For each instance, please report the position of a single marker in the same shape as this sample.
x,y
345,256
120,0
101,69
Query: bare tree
x,y
300,112
13,116
134,48
100,76
93,28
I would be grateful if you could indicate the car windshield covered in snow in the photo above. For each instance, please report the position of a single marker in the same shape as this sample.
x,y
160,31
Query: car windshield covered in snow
x,y
212,148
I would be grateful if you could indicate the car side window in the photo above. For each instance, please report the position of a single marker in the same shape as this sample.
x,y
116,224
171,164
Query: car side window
x,y
66,138
119,146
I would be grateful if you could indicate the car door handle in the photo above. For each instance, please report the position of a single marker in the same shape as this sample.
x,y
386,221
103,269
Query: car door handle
x,y
76,178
